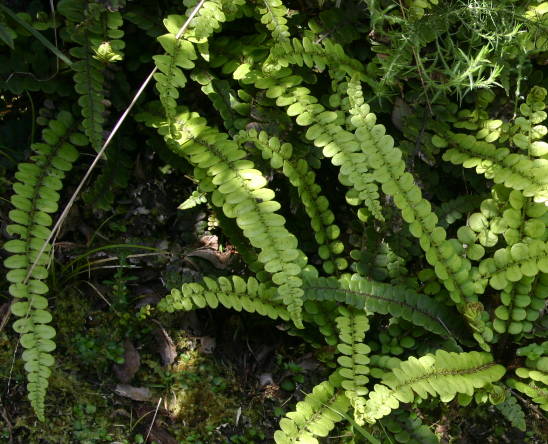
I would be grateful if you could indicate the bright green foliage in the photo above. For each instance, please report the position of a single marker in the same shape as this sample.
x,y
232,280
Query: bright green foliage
x,y
516,171
273,16
97,33
36,194
533,383
426,284
234,293
195,199
312,54
240,190
302,177
442,374
520,166
179,55
533,380
390,171
326,131
316,415
353,361
527,131
417,8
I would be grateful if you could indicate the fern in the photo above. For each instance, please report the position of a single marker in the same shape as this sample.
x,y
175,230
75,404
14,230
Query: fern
x,y
441,374
316,205
407,427
240,190
353,361
513,412
35,197
339,144
315,416
381,298
533,383
97,33
234,293
273,14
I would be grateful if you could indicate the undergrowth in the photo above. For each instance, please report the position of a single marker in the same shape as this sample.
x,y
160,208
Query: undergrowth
x,y
380,167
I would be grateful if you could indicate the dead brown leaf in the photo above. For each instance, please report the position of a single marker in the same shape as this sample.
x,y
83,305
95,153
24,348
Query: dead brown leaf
x,y
4,314
135,393
207,344
166,347
126,371
216,258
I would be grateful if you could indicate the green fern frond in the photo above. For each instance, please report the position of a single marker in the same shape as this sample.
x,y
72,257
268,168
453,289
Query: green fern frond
x,y
513,412
338,144
376,297
273,13
319,55
533,383
316,205
96,31
442,374
315,416
354,360
510,264
389,170
240,191
35,198
234,293
514,170
179,55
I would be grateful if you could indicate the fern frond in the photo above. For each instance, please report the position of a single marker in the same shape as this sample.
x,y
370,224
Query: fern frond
x,y
377,297
234,293
442,374
510,264
515,314
354,360
35,197
224,100
408,428
179,55
515,171
513,412
273,13
338,144
389,170
96,31
240,190
533,383
312,54
315,416
316,205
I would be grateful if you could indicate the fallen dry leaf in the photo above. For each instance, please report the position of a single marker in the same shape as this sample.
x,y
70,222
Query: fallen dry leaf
x,y
126,371
166,347
216,258
207,344
4,314
135,393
